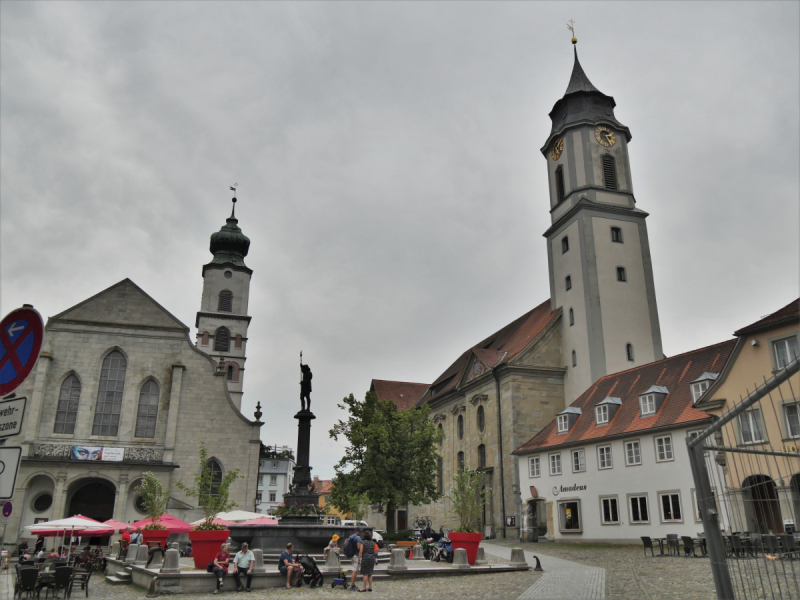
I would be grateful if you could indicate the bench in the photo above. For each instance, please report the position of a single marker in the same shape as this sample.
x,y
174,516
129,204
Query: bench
x,y
407,546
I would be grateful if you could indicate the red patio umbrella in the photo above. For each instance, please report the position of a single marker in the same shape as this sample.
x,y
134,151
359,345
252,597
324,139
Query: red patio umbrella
x,y
117,526
260,521
173,524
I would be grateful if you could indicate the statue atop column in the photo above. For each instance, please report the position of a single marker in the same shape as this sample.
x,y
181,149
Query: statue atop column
x,y
305,386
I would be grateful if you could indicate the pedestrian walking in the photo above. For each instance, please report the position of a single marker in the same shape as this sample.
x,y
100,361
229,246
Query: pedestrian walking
x,y
353,549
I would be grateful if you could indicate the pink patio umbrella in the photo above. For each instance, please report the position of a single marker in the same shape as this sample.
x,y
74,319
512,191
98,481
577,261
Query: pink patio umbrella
x,y
173,524
216,521
260,521
118,526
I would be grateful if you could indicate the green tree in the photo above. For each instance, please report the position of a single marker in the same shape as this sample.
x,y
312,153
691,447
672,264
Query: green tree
x,y
212,496
467,499
390,459
154,498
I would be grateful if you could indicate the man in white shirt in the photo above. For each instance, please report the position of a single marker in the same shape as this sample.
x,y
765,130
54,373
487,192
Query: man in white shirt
x,y
244,561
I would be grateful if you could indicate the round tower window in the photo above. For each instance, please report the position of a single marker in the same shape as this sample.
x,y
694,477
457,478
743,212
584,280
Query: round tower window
x,y
228,274
140,506
42,503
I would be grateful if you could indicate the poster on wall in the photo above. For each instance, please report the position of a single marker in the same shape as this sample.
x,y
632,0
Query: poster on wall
x,y
98,453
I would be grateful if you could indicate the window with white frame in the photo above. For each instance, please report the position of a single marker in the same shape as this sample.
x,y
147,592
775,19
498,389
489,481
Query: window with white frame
x,y
664,448
578,461
273,480
670,507
633,453
647,404
533,466
601,414
698,389
609,513
792,420
272,496
604,457
562,423
785,351
698,518
639,510
751,428
555,464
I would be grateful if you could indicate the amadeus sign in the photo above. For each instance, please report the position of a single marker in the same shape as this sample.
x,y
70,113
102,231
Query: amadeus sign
x,y
568,488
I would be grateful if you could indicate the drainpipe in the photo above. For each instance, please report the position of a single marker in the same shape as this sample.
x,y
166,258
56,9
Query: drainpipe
x,y
502,456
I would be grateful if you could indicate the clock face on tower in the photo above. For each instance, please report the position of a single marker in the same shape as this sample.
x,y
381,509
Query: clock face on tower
x,y
558,148
604,136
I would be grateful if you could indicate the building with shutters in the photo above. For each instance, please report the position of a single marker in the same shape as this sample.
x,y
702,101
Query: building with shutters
x,y
120,389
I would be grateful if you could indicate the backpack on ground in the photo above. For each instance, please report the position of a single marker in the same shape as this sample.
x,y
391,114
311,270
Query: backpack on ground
x,y
350,547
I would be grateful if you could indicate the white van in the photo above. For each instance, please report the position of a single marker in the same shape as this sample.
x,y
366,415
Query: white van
x,y
376,537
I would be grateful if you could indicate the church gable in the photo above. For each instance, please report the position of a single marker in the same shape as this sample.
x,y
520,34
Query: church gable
x,y
124,303
544,351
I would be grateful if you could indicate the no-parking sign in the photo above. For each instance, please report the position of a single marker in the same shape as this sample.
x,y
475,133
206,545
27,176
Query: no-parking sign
x,y
21,334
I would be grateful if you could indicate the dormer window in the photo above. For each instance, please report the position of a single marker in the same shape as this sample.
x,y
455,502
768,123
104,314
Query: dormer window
x,y
647,404
601,414
605,409
698,389
563,423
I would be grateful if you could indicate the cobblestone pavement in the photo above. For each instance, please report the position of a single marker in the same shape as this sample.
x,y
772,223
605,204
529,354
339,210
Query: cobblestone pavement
x,y
629,575
562,579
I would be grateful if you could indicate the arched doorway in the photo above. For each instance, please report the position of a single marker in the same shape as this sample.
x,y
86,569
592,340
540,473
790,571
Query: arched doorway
x,y
761,504
93,498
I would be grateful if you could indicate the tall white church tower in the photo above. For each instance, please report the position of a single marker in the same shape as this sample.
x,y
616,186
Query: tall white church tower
x,y
222,320
597,247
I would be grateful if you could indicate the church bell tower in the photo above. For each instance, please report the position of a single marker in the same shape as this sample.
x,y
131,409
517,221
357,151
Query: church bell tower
x,y
222,320
601,275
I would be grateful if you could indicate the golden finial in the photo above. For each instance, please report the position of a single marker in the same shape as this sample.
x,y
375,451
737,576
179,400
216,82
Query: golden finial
x,y
571,27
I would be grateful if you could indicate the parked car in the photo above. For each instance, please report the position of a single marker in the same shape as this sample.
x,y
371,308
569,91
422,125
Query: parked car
x,y
376,534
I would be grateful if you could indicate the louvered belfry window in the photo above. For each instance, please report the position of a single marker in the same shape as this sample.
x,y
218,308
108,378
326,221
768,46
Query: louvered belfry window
x,y
609,172
560,183
222,340
225,301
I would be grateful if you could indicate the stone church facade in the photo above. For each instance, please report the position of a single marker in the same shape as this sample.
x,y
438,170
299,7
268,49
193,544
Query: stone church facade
x,y
601,317
120,389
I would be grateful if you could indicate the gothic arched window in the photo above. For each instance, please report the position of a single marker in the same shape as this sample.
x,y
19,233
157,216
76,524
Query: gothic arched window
x,y
67,409
225,301
222,339
481,419
216,475
460,427
147,415
481,456
109,395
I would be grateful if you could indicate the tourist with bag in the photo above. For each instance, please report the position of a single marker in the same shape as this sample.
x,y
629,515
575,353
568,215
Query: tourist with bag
x,y
352,548
137,537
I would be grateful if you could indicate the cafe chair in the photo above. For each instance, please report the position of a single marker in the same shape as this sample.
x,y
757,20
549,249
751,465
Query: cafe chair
x,y
648,543
80,577
27,581
690,544
60,581
673,543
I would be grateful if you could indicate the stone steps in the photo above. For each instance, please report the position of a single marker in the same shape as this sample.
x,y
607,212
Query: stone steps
x,y
119,578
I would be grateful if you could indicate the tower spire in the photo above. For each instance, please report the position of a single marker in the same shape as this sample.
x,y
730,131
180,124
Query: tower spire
x,y
233,210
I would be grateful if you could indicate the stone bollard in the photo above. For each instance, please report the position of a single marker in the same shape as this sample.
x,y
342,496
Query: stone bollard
x,y
417,553
518,559
258,563
330,561
397,562
130,555
114,552
481,558
142,554
460,559
172,560
392,547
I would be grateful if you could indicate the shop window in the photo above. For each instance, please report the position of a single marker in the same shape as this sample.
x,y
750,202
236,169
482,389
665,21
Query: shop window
x,y
633,453
609,512
569,516
785,351
533,466
639,509
578,461
670,507
664,448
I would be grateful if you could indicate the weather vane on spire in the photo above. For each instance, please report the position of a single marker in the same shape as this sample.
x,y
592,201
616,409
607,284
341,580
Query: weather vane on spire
x,y
233,189
571,27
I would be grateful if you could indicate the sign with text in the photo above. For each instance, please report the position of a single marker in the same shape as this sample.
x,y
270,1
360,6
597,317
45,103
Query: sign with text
x,y
11,413
9,466
98,453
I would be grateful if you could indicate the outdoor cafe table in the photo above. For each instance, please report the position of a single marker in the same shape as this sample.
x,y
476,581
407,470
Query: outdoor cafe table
x,y
661,542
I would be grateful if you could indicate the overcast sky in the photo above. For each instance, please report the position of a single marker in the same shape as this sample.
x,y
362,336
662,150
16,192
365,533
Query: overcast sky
x,y
387,156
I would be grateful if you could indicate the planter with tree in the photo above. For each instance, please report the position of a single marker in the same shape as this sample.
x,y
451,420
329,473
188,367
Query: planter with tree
x,y
155,502
467,503
212,496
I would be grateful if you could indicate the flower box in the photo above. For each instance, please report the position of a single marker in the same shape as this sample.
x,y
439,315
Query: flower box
x,y
468,541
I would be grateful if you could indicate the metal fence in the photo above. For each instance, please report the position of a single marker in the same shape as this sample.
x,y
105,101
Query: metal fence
x,y
748,492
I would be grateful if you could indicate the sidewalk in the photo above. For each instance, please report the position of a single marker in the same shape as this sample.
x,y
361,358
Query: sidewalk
x,y
562,579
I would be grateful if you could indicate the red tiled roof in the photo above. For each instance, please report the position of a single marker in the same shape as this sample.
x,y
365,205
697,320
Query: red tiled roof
x,y
500,347
675,373
324,486
790,312
402,393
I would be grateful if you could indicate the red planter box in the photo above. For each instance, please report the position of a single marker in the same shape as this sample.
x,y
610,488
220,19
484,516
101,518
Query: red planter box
x,y
206,544
467,541
156,535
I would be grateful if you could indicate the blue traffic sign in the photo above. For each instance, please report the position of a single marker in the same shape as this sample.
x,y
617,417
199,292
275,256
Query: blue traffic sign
x,y
7,509
21,333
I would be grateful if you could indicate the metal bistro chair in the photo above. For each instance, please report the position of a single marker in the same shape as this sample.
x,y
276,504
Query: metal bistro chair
x,y
737,548
648,543
27,581
673,543
771,544
689,545
60,581
80,577
789,546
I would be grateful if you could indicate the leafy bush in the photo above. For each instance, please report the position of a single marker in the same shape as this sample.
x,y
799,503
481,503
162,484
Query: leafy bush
x,y
467,500
212,497
154,498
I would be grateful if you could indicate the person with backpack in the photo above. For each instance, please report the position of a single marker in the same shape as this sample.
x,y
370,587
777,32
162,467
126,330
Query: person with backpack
x,y
352,549
137,537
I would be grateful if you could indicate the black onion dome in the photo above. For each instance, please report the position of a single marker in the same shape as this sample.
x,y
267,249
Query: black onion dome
x,y
229,244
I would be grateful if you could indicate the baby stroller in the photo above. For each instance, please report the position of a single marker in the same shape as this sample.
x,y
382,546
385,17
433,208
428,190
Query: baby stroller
x,y
312,576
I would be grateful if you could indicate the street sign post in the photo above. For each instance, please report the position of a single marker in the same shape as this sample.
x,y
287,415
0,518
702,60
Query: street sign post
x,y
11,414
21,335
7,508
